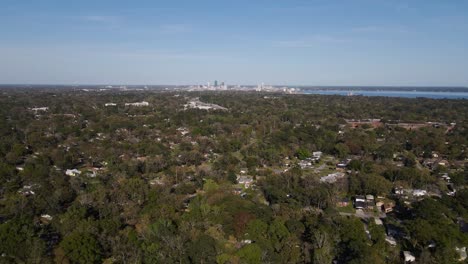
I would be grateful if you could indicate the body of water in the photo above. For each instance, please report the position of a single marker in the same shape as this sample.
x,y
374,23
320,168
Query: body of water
x,y
404,94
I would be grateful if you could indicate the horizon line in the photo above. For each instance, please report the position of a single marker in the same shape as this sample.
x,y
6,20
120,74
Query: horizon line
x,y
274,85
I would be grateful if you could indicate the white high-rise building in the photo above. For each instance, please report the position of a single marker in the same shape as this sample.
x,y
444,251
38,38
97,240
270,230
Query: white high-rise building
x,y
260,87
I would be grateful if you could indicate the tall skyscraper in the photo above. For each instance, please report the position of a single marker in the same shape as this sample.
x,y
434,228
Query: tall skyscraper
x,y
216,83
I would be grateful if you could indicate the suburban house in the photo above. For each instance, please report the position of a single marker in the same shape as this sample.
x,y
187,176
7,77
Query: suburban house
x,y
364,202
445,177
247,181
385,205
374,123
388,207
443,163
237,191
462,252
143,103
92,172
156,181
342,164
433,163
360,202
307,163
196,103
399,190
391,240
342,202
370,201
419,192
451,189
409,257
405,193
332,178
27,190
45,218
39,109
183,131
317,155
72,172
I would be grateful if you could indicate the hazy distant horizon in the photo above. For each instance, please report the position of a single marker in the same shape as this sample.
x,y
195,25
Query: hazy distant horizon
x,y
117,85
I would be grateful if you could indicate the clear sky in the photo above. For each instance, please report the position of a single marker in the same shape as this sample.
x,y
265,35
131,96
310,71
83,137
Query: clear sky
x,y
310,42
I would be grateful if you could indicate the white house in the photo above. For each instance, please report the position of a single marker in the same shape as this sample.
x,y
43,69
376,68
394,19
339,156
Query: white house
x,y
46,217
37,109
409,257
143,103
27,190
333,177
307,163
419,193
317,155
184,131
461,252
390,240
245,180
360,202
72,172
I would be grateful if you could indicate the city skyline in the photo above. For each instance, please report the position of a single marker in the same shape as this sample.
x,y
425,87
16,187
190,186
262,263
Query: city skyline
x,y
323,43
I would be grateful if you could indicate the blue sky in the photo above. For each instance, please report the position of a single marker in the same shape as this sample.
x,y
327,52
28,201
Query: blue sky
x,y
310,42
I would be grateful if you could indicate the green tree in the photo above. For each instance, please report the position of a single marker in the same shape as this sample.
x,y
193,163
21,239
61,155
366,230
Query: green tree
x,y
342,150
82,248
210,185
231,176
202,250
302,154
322,246
250,254
277,233
17,240
257,230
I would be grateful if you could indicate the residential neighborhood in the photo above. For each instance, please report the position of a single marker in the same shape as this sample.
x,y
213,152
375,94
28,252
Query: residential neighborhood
x,y
174,172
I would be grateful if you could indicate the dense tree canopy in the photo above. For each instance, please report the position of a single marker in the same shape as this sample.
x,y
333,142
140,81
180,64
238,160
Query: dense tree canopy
x,y
82,182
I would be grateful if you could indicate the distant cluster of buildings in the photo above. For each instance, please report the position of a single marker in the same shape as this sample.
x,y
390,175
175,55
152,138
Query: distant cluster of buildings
x,y
400,191
355,123
332,177
210,87
368,202
376,122
39,109
142,103
216,86
268,88
195,103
